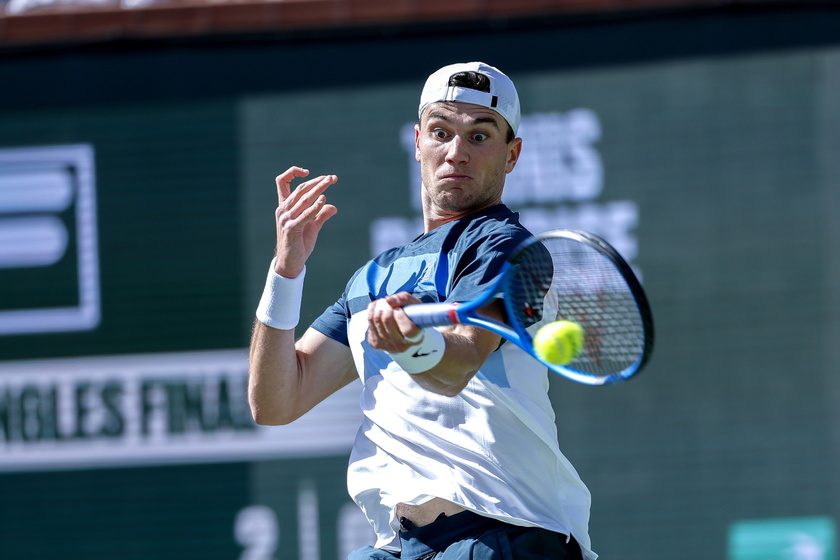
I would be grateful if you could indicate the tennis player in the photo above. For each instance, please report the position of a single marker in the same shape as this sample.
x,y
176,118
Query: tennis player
x,y
457,455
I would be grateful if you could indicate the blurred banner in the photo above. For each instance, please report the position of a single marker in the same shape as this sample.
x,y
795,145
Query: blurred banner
x,y
152,409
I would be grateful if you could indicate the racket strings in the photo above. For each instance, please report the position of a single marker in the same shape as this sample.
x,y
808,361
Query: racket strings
x,y
528,285
572,281
588,289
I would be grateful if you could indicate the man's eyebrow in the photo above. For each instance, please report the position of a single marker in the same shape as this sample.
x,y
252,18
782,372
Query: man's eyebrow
x,y
488,120
475,121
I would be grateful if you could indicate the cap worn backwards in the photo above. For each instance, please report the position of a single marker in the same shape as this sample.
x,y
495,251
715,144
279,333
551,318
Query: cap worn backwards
x,y
501,98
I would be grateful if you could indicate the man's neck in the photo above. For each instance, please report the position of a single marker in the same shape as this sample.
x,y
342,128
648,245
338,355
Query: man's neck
x,y
432,220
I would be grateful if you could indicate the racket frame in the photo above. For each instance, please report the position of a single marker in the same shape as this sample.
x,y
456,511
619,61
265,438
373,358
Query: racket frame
x,y
444,313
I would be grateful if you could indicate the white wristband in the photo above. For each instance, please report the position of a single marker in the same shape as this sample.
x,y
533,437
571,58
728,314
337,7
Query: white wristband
x,y
424,356
280,303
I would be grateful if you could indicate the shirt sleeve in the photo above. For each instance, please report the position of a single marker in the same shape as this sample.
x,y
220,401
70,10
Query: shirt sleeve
x,y
333,322
479,265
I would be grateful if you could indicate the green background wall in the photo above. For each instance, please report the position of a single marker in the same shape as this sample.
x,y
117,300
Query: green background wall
x,y
718,134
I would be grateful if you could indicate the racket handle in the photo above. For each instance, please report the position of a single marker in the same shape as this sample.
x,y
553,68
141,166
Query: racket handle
x,y
431,314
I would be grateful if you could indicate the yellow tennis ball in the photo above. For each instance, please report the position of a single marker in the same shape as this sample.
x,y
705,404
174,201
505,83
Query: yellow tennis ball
x,y
559,342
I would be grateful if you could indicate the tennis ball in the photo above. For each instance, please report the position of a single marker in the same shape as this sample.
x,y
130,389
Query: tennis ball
x,y
559,342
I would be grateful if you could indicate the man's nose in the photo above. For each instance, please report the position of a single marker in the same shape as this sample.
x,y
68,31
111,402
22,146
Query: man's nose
x,y
458,150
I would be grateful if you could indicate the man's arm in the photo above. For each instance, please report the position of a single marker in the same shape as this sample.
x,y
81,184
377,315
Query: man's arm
x,y
287,379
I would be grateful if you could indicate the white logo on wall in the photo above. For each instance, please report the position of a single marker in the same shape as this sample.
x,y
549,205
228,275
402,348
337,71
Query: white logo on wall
x,y
556,183
48,215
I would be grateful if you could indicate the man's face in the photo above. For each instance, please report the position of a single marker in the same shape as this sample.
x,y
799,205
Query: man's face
x,y
464,156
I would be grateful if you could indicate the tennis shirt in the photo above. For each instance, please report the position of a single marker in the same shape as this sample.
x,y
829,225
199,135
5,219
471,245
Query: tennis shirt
x,y
493,447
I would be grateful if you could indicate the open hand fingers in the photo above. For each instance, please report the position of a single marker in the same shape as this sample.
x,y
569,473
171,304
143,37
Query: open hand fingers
x,y
305,202
299,216
284,182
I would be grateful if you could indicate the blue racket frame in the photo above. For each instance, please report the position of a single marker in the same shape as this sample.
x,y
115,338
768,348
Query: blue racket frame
x,y
438,314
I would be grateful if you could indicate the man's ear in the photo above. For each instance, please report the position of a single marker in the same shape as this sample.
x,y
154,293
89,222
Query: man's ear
x,y
514,149
417,142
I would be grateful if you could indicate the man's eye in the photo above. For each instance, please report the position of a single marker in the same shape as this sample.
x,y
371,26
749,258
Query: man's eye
x,y
439,134
480,137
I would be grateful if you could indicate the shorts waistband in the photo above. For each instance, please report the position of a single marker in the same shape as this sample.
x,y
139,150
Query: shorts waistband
x,y
437,536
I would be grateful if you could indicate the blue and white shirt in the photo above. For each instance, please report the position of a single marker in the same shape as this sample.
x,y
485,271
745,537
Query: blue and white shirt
x,y
493,447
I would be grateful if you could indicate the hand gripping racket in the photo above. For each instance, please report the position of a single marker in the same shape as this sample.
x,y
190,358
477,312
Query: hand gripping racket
x,y
564,275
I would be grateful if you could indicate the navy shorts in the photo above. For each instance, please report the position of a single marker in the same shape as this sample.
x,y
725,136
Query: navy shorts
x,y
467,535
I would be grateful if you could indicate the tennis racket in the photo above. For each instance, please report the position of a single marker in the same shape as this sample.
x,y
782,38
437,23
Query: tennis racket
x,y
564,275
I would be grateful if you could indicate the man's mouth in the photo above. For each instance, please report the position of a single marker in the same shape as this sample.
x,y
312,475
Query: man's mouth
x,y
456,177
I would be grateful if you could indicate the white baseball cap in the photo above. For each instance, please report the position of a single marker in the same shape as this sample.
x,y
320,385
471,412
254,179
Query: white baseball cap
x,y
501,98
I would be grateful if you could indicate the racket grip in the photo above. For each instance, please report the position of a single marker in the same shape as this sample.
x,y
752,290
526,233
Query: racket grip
x,y
431,314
